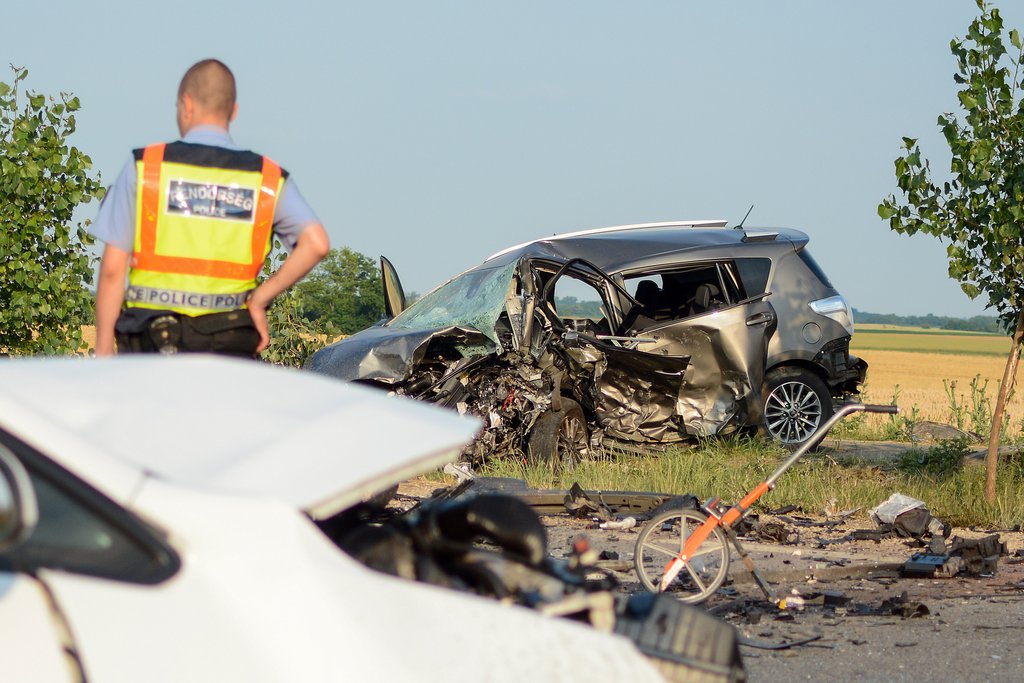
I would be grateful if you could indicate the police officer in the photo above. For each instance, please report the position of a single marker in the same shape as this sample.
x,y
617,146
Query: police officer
x,y
190,223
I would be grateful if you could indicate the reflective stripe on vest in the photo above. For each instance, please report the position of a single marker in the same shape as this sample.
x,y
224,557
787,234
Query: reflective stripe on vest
x,y
171,298
202,231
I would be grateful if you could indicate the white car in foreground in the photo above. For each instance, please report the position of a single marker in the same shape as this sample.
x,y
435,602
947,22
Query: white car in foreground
x,y
175,536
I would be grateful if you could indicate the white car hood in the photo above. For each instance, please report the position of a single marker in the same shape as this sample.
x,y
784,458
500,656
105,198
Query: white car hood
x,y
228,425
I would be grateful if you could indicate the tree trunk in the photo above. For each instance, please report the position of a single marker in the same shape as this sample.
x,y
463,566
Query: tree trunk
x,y
992,458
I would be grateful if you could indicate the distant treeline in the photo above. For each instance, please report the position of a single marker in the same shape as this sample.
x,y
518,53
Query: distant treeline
x,y
978,323
571,307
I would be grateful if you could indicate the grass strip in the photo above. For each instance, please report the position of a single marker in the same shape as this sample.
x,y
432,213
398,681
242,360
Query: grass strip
x,y
730,467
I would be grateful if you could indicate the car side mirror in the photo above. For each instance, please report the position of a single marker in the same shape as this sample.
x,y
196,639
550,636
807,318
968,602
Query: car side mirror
x,y
19,511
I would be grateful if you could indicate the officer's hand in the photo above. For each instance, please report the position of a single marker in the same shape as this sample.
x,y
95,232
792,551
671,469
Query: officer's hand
x,y
258,312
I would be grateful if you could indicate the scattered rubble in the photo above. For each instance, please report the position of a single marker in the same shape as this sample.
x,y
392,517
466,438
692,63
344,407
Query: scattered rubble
x,y
972,557
619,525
847,595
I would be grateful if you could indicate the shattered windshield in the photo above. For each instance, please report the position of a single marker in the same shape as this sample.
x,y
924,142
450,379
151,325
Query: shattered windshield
x,y
474,299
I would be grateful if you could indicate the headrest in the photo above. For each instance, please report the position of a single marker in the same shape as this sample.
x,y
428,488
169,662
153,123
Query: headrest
x,y
647,292
705,294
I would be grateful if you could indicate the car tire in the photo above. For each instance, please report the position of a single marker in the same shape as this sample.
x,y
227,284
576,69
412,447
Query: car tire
x,y
559,438
795,404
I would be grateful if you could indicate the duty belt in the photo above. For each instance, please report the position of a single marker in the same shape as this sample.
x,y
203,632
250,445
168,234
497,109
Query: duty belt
x,y
173,298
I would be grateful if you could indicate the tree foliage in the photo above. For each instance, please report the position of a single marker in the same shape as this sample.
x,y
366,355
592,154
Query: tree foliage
x,y
293,338
344,289
44,265
979,210
342,295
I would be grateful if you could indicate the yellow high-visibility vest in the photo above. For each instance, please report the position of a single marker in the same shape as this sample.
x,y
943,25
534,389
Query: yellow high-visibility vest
x,y
203,218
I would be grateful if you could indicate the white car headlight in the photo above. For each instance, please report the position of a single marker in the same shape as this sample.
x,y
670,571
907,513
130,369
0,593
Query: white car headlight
x,y
836,308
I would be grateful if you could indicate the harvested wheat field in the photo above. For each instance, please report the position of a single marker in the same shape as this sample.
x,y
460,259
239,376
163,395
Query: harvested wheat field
x,y
919,377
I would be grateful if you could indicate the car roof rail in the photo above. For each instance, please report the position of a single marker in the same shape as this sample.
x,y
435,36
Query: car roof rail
x,y
617,228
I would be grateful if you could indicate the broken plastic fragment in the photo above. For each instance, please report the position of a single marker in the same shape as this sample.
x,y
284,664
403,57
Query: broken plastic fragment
x,y
893,507
619,524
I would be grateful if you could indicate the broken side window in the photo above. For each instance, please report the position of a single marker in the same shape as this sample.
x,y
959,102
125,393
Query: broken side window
x,y
579,304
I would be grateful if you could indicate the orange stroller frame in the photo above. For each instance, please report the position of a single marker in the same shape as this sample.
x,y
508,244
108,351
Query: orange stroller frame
x,y
685,551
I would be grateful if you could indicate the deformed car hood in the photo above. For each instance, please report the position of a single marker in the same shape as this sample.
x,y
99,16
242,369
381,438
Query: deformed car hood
x,y
232,426
390,355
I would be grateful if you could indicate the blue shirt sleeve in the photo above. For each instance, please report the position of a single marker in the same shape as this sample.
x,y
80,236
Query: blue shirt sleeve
x,y
292,215
115,221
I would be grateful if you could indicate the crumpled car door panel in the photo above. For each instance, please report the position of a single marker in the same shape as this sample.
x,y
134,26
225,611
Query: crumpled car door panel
x,y
695,376
638,395
727,348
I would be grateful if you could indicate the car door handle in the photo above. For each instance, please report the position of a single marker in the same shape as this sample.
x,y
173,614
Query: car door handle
x,y
762,318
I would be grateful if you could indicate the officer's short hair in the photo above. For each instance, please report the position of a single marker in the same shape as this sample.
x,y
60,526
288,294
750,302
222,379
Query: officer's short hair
x,y
212,85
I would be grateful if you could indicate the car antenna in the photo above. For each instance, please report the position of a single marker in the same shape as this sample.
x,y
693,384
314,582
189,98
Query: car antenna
x,y
740,226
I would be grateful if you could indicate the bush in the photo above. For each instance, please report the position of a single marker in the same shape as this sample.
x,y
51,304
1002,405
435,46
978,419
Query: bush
x,y
44,265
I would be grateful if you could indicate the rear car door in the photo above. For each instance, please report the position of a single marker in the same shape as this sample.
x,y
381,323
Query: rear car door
x,y
722,384
701,310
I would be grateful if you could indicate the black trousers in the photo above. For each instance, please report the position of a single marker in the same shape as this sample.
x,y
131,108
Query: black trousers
x,y
230,333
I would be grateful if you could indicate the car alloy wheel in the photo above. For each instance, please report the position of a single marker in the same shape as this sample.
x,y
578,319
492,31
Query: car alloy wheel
x,y
797,403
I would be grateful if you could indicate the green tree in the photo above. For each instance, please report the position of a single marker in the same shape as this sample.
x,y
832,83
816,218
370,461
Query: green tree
x,y
979,210
344,289
293,338
44,265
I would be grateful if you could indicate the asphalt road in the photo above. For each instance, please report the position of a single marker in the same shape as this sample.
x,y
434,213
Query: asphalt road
x,y
969,629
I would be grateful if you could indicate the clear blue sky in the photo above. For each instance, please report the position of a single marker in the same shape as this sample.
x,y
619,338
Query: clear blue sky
x,y
439,132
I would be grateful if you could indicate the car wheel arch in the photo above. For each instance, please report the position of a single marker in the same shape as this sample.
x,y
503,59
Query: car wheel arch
x,y
799,363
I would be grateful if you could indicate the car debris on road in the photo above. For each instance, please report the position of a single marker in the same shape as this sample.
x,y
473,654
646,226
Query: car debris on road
x,y
971,557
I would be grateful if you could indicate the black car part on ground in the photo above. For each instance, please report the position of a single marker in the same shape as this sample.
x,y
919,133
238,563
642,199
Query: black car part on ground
x,y
575,500
972,557
495,546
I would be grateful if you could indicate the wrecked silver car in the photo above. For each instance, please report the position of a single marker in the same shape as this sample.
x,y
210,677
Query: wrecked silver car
x,y
652,333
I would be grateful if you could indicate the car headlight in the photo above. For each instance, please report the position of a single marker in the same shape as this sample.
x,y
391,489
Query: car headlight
x,y
836,308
